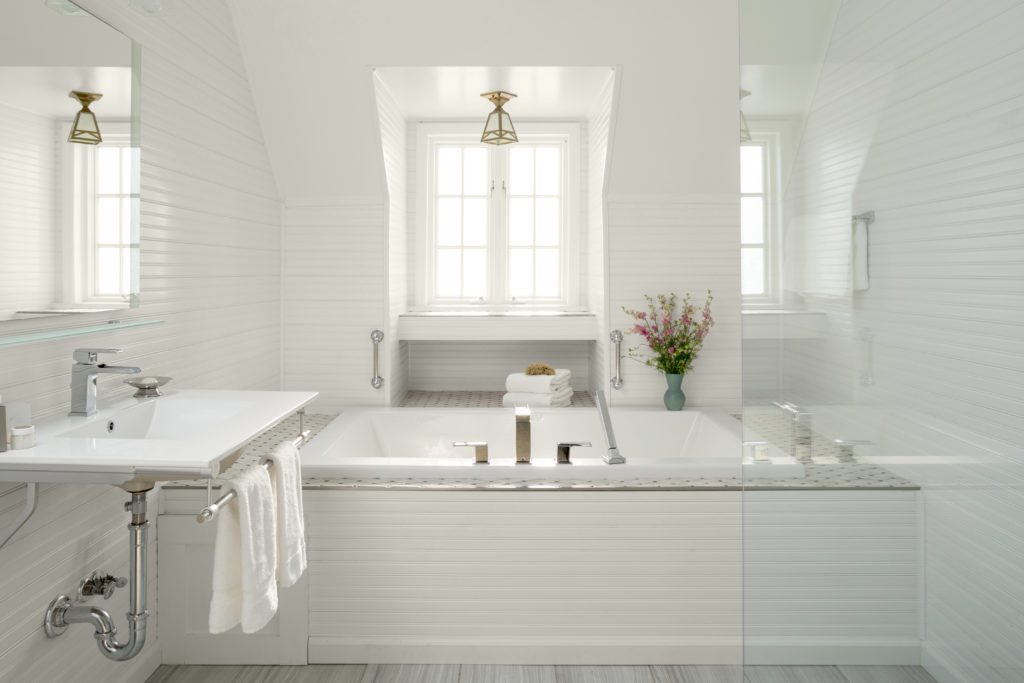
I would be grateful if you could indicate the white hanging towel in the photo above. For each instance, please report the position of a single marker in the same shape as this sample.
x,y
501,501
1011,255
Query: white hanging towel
x,y
291,525
520,382
859,256
245,556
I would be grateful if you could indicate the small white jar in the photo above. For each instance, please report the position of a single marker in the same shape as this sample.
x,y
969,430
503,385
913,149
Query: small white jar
x,y
23,437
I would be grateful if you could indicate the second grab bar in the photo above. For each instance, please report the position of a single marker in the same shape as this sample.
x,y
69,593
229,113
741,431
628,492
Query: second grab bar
x,y
616,337
376,337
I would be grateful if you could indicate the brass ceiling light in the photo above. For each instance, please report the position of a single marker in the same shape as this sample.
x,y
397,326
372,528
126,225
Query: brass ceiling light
x,y
498,130
85,130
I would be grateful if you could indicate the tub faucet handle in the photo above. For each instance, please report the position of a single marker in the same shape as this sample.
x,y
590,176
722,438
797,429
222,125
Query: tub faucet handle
x,y
564,453
480,448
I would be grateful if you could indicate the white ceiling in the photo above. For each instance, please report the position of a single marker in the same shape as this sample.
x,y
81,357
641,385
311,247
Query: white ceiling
x,y
783,44
548,92
44,90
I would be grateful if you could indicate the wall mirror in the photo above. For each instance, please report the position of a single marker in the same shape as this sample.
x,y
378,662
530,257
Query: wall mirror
x,y
69,212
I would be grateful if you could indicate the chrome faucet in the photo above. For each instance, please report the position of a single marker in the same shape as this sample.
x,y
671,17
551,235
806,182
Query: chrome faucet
x,y
801,436
83,378
523,446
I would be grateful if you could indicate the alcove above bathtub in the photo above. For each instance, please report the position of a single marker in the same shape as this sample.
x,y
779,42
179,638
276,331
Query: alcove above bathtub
x,y
532,326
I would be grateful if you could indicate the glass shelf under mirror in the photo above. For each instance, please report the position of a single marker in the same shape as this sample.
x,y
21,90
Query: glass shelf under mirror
x,y
61,333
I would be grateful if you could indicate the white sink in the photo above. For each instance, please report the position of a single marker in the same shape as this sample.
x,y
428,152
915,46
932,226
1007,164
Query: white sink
x,y
132,443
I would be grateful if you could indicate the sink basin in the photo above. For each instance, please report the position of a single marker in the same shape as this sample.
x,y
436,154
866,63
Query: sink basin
x,y
133,443
162,420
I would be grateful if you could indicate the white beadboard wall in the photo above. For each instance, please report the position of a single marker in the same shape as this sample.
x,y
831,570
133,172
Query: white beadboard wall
x,y
681,244
529,577
335,284
28,199
394,148
919,116
831,577
210,270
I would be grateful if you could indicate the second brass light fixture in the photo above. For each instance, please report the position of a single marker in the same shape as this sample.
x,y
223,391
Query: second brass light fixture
x,y
498,129
85,130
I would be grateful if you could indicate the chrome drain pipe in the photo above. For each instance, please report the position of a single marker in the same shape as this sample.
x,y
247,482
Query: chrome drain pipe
x,y
62,612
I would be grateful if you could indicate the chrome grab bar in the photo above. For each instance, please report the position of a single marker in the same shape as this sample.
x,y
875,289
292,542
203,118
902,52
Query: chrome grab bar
x,y
616,337
376,337
211,510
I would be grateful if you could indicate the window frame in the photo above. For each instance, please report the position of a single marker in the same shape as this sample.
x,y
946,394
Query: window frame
x,y
771,170
430,136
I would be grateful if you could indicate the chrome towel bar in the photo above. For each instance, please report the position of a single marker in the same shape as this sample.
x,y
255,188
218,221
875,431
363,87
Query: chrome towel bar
x,y
211,509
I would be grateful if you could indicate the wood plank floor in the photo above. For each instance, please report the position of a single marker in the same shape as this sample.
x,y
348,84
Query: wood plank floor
x,y
477,673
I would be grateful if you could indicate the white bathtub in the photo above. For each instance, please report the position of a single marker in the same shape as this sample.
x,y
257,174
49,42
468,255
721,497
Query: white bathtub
x,y
398,443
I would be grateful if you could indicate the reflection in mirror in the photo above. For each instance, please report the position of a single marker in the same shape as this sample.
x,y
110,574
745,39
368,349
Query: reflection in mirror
x,y
69,213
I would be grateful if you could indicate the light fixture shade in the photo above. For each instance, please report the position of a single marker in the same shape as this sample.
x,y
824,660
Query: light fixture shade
x,y
498,130
85,130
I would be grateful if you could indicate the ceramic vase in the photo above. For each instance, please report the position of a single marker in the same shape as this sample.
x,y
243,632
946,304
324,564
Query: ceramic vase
x,y
675,399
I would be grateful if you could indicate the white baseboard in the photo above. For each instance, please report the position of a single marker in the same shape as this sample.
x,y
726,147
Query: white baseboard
x,y
331,650
822,651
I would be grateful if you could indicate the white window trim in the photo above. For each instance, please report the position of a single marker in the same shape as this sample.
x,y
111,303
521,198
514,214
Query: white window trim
x,y
772,296
78,219
428,134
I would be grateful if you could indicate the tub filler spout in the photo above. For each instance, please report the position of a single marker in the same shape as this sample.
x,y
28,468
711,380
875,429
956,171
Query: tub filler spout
x,y
523,446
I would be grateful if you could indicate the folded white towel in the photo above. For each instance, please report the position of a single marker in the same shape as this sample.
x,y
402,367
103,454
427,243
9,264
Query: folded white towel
x,y
538,384
245,556
291,527
561,399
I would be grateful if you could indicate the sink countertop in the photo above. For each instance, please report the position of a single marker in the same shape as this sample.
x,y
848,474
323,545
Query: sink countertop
x,y
174,453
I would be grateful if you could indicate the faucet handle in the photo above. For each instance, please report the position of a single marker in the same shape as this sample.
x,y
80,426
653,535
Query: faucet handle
x,y
480,448
90,356
565,448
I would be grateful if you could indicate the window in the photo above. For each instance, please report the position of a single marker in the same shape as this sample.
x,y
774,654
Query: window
x,y
98,225
758,204
498,222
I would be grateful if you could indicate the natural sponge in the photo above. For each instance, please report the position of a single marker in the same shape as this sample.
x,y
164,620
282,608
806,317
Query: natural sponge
x,y
539,369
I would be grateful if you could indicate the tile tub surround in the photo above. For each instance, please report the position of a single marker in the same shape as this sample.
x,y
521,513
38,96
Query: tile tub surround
x,y
825,468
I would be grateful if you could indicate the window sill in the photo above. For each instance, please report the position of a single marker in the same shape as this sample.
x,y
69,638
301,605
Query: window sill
x,y
493,326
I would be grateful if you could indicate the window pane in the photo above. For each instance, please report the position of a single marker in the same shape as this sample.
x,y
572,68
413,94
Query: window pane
x,y
126,167
520,221
108,270
449,272
126,221
549,171
520,272
449,170
126,271
752,220
520,170
474,272
548,223
752,270
751,168
108,170
108,220
449,221
547,272
474,174
474,222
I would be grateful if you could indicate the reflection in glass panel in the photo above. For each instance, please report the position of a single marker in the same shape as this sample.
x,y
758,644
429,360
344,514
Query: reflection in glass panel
x,y
752,220
520,221
126,164
474,173
449,170
474,222
549,170
474,272
126,221
751,169
548,223
449,272
520,272
108,170
547,279
520,161
752,270
108,270
108,220
449,221
126,271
